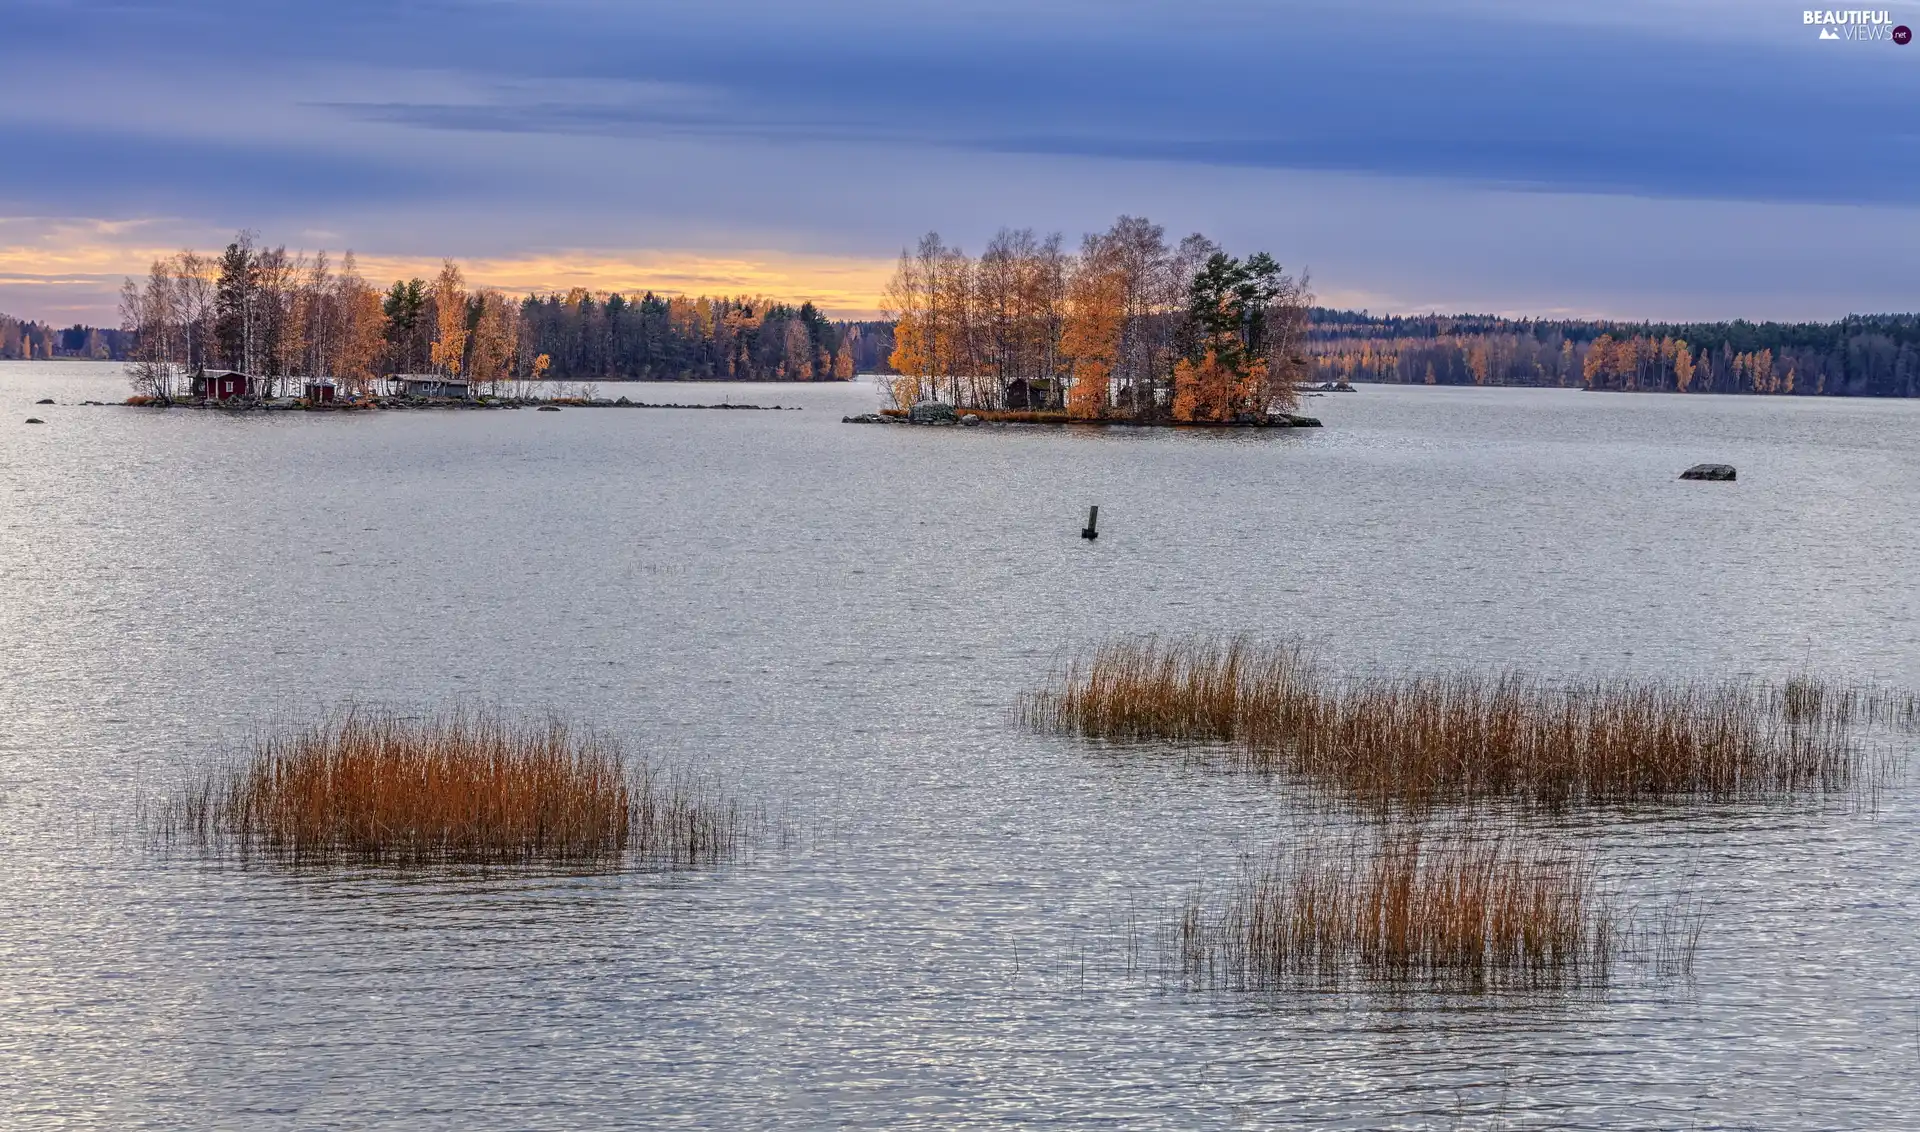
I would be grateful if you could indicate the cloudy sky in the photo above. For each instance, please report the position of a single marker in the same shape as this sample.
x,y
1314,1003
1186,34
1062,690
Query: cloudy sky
x,y
1597,157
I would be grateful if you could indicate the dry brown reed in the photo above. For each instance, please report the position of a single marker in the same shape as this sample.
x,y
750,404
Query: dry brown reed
x,y
1466,913
1422,739
461,788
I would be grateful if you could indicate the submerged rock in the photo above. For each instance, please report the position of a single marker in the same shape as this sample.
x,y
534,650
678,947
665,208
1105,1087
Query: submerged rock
x,y
35,420
867,418
44,401
1708,472
549,408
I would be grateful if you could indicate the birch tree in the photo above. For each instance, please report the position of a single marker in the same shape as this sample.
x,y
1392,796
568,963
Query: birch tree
x,y
153,313
449,298
909,301
1091,340
496,339
362,330
278,318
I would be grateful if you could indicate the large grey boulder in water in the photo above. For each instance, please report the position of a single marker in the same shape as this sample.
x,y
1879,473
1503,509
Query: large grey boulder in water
x,y
1708,472
932,412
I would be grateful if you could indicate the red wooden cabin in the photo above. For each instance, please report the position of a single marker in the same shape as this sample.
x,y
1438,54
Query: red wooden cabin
x,y
224,385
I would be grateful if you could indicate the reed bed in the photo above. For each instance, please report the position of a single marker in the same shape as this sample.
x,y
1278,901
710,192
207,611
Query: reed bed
x,y
462,788
1424,739
1406,911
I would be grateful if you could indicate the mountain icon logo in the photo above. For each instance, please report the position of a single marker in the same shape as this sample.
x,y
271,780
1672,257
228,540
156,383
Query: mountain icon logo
x,y
1829,33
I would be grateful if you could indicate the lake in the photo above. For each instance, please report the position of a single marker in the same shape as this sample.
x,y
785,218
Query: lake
x,y
835,620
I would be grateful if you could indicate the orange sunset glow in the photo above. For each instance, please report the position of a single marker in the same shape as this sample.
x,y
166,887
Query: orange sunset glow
x,y
77,268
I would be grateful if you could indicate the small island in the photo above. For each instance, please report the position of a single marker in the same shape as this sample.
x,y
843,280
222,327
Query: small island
x,y
1129,330
254,326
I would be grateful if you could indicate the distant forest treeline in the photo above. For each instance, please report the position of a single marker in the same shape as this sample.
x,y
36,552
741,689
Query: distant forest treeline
x,y
1858,356
23,339
1861,355
588,336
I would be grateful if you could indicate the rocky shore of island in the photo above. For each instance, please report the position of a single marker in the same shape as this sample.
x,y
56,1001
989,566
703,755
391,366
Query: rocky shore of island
x,y
396,403
941,414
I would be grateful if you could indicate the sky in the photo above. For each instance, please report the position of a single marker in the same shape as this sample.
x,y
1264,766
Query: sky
x,y
1606,158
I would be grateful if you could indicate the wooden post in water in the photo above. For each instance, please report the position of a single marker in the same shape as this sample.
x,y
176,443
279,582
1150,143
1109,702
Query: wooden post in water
x,y
1093,523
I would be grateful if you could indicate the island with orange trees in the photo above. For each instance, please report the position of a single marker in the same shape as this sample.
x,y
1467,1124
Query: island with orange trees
x,y
288,321
1130,329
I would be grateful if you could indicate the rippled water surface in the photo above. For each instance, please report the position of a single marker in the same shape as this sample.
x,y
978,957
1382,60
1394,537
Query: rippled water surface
x,y
836,620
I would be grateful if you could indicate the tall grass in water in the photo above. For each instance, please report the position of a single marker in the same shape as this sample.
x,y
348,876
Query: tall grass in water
x,y
1406,911
1192,690
455,789
1422,739
1809,701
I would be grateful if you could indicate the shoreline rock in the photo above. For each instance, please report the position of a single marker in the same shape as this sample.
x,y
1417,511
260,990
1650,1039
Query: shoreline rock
x,y
932,412
1056,419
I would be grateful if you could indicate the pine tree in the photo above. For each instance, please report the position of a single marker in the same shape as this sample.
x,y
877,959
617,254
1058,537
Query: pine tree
x,y
236,302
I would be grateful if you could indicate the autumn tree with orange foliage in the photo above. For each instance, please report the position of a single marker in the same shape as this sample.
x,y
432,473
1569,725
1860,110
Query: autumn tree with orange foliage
x,y
797,363
1683,366
1090,334
1760,367
363,329
1230,373
1599,361
911,300
496,339
449,295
